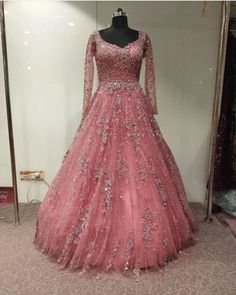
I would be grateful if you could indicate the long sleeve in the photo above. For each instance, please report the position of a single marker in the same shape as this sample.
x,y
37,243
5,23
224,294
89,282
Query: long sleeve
x,y
88,74
149,79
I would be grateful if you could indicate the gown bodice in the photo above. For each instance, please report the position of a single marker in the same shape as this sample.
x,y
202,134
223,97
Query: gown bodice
x,y
115,63
119,66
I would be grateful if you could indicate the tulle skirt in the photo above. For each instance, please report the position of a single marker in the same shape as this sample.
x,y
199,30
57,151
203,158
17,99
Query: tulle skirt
x,y
118,201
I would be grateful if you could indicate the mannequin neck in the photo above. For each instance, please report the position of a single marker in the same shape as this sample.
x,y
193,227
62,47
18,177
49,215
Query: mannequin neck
x,y
119,22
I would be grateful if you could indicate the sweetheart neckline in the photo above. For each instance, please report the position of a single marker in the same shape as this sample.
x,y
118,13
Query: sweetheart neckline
x,y
113,44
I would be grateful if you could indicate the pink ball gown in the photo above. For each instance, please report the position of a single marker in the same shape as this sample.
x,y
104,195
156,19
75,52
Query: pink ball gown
x,y
118,201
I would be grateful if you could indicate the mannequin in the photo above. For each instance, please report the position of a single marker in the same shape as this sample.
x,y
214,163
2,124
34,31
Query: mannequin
x,y
119,32
121,219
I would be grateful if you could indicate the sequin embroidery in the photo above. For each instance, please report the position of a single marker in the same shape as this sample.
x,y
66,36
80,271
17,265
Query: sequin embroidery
x,y
118,194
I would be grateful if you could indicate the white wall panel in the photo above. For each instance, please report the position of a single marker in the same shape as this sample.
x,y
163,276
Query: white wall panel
x,y
46,45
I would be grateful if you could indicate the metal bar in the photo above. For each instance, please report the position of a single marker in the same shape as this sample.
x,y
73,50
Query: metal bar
x,y
9,116
225,15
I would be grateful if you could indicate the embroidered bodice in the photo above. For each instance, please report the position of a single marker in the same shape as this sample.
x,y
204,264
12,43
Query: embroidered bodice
x,y
119,66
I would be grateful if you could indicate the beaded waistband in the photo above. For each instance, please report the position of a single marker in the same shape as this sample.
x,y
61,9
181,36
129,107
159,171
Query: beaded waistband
x,y
120,84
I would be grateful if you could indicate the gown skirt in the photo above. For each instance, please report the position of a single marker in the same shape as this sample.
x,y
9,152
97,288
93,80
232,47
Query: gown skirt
x,y
118,201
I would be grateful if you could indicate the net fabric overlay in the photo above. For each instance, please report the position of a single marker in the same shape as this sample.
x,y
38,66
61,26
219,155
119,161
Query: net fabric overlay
x,y
118,202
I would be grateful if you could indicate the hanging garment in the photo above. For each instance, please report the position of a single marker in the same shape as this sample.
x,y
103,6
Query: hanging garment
x,y
118,201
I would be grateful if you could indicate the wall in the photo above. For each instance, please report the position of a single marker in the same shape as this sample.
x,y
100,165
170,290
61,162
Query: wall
x,y
46,80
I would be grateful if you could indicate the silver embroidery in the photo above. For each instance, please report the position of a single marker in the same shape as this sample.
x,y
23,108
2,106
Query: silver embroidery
x,y
121,84
76,230
107,194
122,168
97,172
82,162
118,102
129,245
161,192
113,254
148,225
103,123
143,172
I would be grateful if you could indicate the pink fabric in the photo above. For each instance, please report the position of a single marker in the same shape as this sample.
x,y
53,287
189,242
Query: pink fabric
x,y
118,201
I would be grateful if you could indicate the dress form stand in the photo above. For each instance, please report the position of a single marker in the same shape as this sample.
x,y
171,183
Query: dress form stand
x,y
119,32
